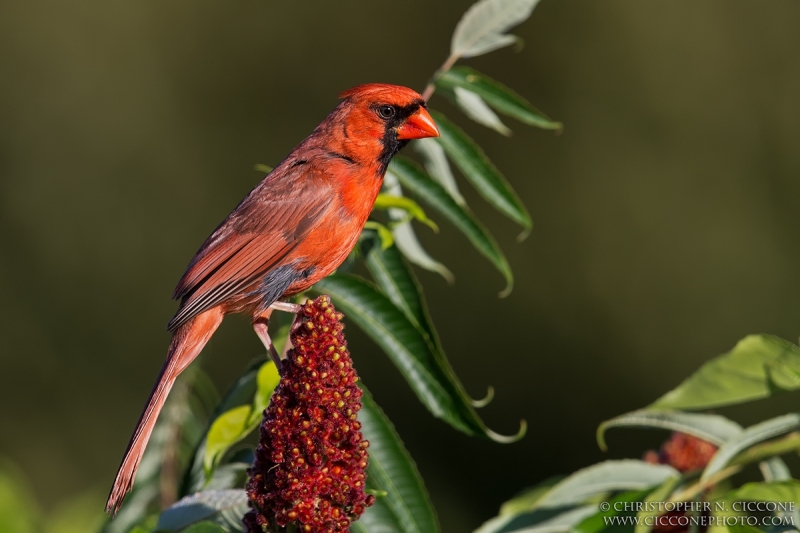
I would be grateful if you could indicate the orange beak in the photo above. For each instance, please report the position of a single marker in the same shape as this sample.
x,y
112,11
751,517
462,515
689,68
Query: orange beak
x,y
418,126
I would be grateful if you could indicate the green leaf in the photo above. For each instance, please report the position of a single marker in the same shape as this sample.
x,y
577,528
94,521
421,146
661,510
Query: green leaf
x,y
497,95
437,167
477,168
422,186
238,422
398,282
267,379
405,507
228,429
757,367
475,108
241,393
787,491
431,377
405,238
388,201
715,429
223,507
747,438
482,28
604,477
786,494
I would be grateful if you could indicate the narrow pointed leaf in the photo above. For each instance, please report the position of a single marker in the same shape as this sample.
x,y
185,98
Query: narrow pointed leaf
x,y
434,195
758,453
490,43
501,98
757,367
431,378
715,429
476,109
405,507
405,238
437,167
747,438
604,477
476,167
483,26
397,281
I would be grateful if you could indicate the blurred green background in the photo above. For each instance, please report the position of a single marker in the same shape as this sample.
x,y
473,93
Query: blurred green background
x,y
665,214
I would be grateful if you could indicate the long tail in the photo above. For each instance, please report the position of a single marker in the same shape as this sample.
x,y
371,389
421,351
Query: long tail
x,y
187,342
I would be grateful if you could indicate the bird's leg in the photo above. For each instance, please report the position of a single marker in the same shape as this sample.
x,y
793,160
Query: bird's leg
x,y
261,326
298,319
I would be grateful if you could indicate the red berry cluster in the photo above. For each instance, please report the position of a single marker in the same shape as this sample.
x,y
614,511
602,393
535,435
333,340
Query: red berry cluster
x,y
310,462
683,452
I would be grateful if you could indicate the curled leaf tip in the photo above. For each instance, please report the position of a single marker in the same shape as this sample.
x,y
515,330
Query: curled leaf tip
x,y
447,275
525,233
601,437
505,292
508,439
486,400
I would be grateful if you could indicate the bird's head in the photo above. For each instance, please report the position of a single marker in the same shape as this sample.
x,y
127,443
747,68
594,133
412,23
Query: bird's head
x,y
383,118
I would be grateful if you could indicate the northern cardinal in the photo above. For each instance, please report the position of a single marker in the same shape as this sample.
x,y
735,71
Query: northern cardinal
x,y
293,229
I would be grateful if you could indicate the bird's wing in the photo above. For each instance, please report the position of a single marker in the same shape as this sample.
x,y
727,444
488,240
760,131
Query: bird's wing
x,y
253,240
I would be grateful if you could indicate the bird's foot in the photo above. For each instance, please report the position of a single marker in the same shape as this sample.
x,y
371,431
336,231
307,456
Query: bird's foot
x,y
261,327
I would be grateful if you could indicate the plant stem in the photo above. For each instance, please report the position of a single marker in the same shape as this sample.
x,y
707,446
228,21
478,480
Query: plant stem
x,y
447,65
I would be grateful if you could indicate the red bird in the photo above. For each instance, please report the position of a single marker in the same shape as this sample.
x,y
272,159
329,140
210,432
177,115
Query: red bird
x,y
293,229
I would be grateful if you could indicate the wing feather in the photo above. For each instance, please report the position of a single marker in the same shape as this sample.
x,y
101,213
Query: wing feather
x,y
253,240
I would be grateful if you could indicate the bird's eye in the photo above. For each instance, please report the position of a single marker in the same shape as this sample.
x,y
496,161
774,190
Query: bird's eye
x,y
386,112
